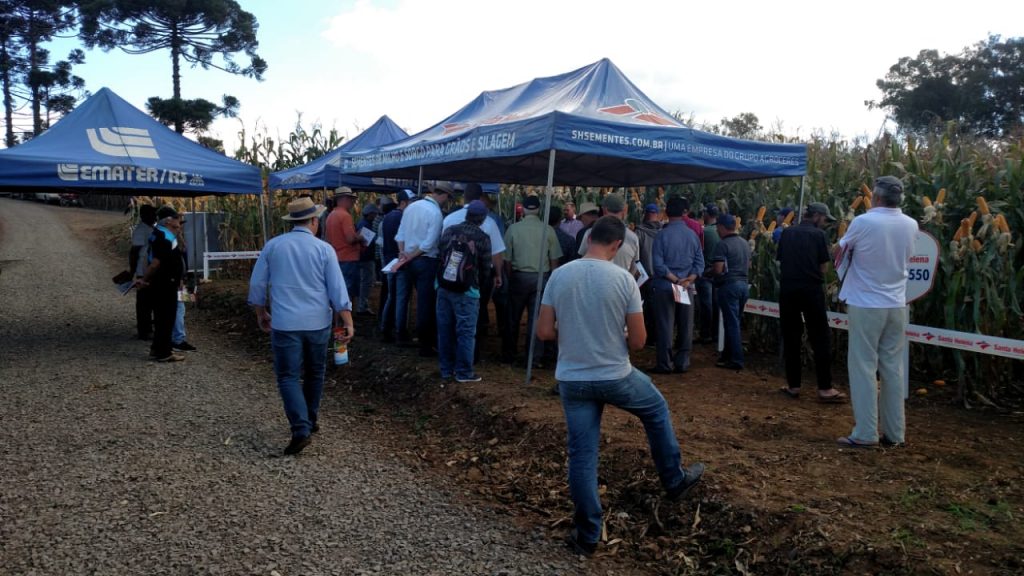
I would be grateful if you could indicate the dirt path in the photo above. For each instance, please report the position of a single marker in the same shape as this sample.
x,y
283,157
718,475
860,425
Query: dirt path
x,y
114,465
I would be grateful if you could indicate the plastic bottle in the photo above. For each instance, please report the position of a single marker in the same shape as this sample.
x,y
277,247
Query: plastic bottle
x,y
340,349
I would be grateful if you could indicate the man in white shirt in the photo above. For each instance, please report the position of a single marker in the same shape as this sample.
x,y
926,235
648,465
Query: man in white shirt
x,y
417,239
879,245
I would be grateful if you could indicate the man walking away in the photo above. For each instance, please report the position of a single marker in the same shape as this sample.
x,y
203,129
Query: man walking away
x,y
586,305
162,278
677,260
730,262
305,285
881,242
803,258
465,259
137,262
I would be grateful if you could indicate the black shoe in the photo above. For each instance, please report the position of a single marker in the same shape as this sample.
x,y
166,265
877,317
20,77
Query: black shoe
x,y
297,445
729,365
884,442
680,369
183,346
657,370
314,428
694,472
573,542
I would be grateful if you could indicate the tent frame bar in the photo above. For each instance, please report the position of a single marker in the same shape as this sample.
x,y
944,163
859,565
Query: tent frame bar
x,y
548,190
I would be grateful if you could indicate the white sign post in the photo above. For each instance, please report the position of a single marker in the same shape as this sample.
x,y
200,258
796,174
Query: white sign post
x,y
920,279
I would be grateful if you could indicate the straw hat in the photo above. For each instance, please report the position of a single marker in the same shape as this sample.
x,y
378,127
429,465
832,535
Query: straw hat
x,y
303,209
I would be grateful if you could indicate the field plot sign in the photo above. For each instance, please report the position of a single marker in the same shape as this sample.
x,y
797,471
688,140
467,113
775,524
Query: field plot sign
x,y
921,270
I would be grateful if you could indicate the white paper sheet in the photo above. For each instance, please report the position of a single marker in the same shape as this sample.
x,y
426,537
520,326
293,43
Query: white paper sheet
x,y
644,277
682,295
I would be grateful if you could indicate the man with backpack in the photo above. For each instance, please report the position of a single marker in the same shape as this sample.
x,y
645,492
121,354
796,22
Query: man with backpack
x,y
465,258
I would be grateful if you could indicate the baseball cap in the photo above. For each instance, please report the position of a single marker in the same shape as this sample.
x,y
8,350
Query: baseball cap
x,y
785,211
477,207
890,183
728,221
166,212
531,203
711,209
406,195
588,207
820,208
651,208
613,203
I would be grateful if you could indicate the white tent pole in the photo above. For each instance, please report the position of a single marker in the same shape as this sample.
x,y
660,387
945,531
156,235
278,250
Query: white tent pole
x,y
800,208
419,181
540,263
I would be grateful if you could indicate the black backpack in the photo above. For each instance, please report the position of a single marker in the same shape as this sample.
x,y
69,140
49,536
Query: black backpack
x,y
457,272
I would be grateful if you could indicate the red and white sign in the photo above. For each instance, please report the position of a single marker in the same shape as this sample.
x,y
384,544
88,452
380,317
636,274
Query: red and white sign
x,y
980,343
922,265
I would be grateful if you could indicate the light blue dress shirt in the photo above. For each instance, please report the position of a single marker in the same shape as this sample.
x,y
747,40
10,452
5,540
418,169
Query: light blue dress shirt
x,y
304,282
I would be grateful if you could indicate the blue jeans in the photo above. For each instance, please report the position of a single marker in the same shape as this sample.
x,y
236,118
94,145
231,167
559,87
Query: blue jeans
x,y
178,333
350,273
583,402
732,297
300,354
456,332
419,273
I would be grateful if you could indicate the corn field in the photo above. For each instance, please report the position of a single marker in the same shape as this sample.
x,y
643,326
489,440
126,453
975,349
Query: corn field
x,y
966,193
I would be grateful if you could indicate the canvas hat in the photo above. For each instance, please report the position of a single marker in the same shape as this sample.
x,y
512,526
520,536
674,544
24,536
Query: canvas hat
x,y
588,207
651,208
531,203
443,188
344,191
613,204
728,221
890,183
167,212
820,208
477,208
303,209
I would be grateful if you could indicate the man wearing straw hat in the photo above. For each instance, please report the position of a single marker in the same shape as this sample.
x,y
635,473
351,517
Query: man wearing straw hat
x,y
295,286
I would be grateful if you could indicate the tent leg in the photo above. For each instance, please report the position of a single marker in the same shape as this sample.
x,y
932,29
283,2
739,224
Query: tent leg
x,y
800,208
540,264
419,181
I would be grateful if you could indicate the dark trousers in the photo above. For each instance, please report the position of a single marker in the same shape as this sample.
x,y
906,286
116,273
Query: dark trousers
x,y
810,303
422,273
647,296
144,313
522,295
707,310
672,319
165,308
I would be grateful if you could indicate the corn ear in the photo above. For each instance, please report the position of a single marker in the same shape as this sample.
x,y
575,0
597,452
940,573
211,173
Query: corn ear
x,y
927,201
865,190
972,219
941,198
842,228
760,213
867,203
976,244
789,218
771,227
982,205
739,222
856,202
1002,224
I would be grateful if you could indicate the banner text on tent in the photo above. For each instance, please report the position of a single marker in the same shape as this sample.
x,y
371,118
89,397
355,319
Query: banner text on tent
x,y
687,147
457,147
102,173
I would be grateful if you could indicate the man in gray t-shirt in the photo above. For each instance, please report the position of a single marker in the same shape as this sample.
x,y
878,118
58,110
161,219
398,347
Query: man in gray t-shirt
x,y
592,308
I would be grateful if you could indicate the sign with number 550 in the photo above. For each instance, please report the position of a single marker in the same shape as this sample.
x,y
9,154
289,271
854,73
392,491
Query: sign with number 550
x,y
921,268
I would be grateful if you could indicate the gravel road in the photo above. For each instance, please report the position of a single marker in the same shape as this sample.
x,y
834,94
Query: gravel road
x,y
111,464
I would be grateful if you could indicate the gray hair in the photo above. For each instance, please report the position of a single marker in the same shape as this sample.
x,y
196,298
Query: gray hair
x,y
888,197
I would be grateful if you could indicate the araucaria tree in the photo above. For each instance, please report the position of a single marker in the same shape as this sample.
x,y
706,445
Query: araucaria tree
x,y
204,33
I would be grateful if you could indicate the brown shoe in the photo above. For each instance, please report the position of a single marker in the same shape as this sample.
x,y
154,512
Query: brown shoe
x,y
172,357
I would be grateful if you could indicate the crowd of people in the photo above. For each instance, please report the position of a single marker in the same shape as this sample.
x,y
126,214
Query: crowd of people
x,y
603,290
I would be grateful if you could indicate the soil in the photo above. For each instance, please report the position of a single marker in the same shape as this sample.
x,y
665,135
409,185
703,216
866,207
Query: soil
x,y
779,496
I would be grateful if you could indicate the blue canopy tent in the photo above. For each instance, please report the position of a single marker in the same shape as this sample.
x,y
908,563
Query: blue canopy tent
x,y
107,145
324,172
603,129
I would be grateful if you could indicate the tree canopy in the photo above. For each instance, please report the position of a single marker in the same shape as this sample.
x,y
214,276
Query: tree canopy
x,y
981,89
204,33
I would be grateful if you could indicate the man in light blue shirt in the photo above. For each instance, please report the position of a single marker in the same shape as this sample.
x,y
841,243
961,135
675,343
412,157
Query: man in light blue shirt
x,y
300,275
417,239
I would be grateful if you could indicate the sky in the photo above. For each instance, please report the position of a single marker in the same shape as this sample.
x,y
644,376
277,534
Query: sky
x,y
801,67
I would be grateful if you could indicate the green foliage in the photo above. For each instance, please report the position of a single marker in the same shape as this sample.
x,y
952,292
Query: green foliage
x,y
979,89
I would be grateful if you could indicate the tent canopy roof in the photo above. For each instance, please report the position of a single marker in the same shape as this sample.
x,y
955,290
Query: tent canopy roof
x,y
108,145
606,132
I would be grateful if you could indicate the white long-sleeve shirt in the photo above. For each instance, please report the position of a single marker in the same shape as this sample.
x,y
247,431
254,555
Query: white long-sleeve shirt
x,y
421,227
